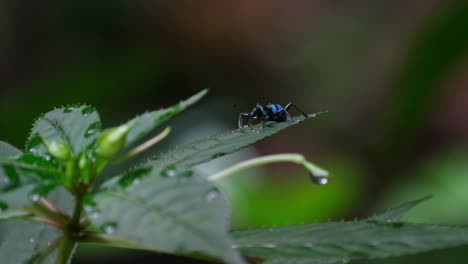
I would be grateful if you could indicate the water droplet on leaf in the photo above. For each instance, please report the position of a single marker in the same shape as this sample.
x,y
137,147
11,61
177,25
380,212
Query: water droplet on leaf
x,y
133,177
87,110
94,215
169,171
211,194
92,129
5,181
68,109
88,208
3,206
269,245
217,155
91,211
35,197
109,227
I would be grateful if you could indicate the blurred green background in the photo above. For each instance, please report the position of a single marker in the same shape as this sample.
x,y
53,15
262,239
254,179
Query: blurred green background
x,y
394,74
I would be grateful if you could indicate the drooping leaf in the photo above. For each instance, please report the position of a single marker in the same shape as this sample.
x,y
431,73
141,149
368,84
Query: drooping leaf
x,y
7,150
395,214
171,213
347,240
76,126
141,125
215,146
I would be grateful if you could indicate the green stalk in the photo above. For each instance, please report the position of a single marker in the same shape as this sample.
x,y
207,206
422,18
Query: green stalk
x,y
318,175
69,239
66,249
145,145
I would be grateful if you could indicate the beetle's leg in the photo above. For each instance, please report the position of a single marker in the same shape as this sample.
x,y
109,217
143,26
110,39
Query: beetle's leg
x,y
261,125
297,108
288,116
240,119
262,122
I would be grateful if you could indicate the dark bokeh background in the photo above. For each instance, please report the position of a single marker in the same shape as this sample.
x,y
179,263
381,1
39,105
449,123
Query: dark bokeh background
x,y
394,74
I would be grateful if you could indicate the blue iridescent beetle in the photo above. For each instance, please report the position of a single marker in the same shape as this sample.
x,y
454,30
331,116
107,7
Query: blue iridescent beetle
x,y
269,112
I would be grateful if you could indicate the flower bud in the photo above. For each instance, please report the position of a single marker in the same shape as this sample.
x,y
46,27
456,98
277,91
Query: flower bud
x,y
59,149
111,141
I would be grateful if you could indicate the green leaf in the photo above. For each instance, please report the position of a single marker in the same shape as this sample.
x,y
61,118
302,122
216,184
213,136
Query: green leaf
x,y
76,125
7,150
304,261
215,146
175,213
396,213
347,240
25,242
212,147
14,172
145,123
12,214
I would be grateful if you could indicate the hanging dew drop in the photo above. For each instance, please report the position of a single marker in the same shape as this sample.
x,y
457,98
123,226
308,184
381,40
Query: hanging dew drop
x,y
318,179
32,240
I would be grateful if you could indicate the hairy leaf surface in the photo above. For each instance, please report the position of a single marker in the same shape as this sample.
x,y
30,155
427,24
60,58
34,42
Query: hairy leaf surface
x,y
27,168
7,150
170,212
348,240
26,241
305,261
209,148
145,123
78,126
395,214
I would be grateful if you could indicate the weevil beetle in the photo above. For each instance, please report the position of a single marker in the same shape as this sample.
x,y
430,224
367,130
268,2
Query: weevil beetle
x,y
269,112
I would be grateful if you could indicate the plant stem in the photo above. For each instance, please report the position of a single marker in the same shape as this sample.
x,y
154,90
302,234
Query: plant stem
x,y
76,216
145,145
66,248
287,157
69,236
